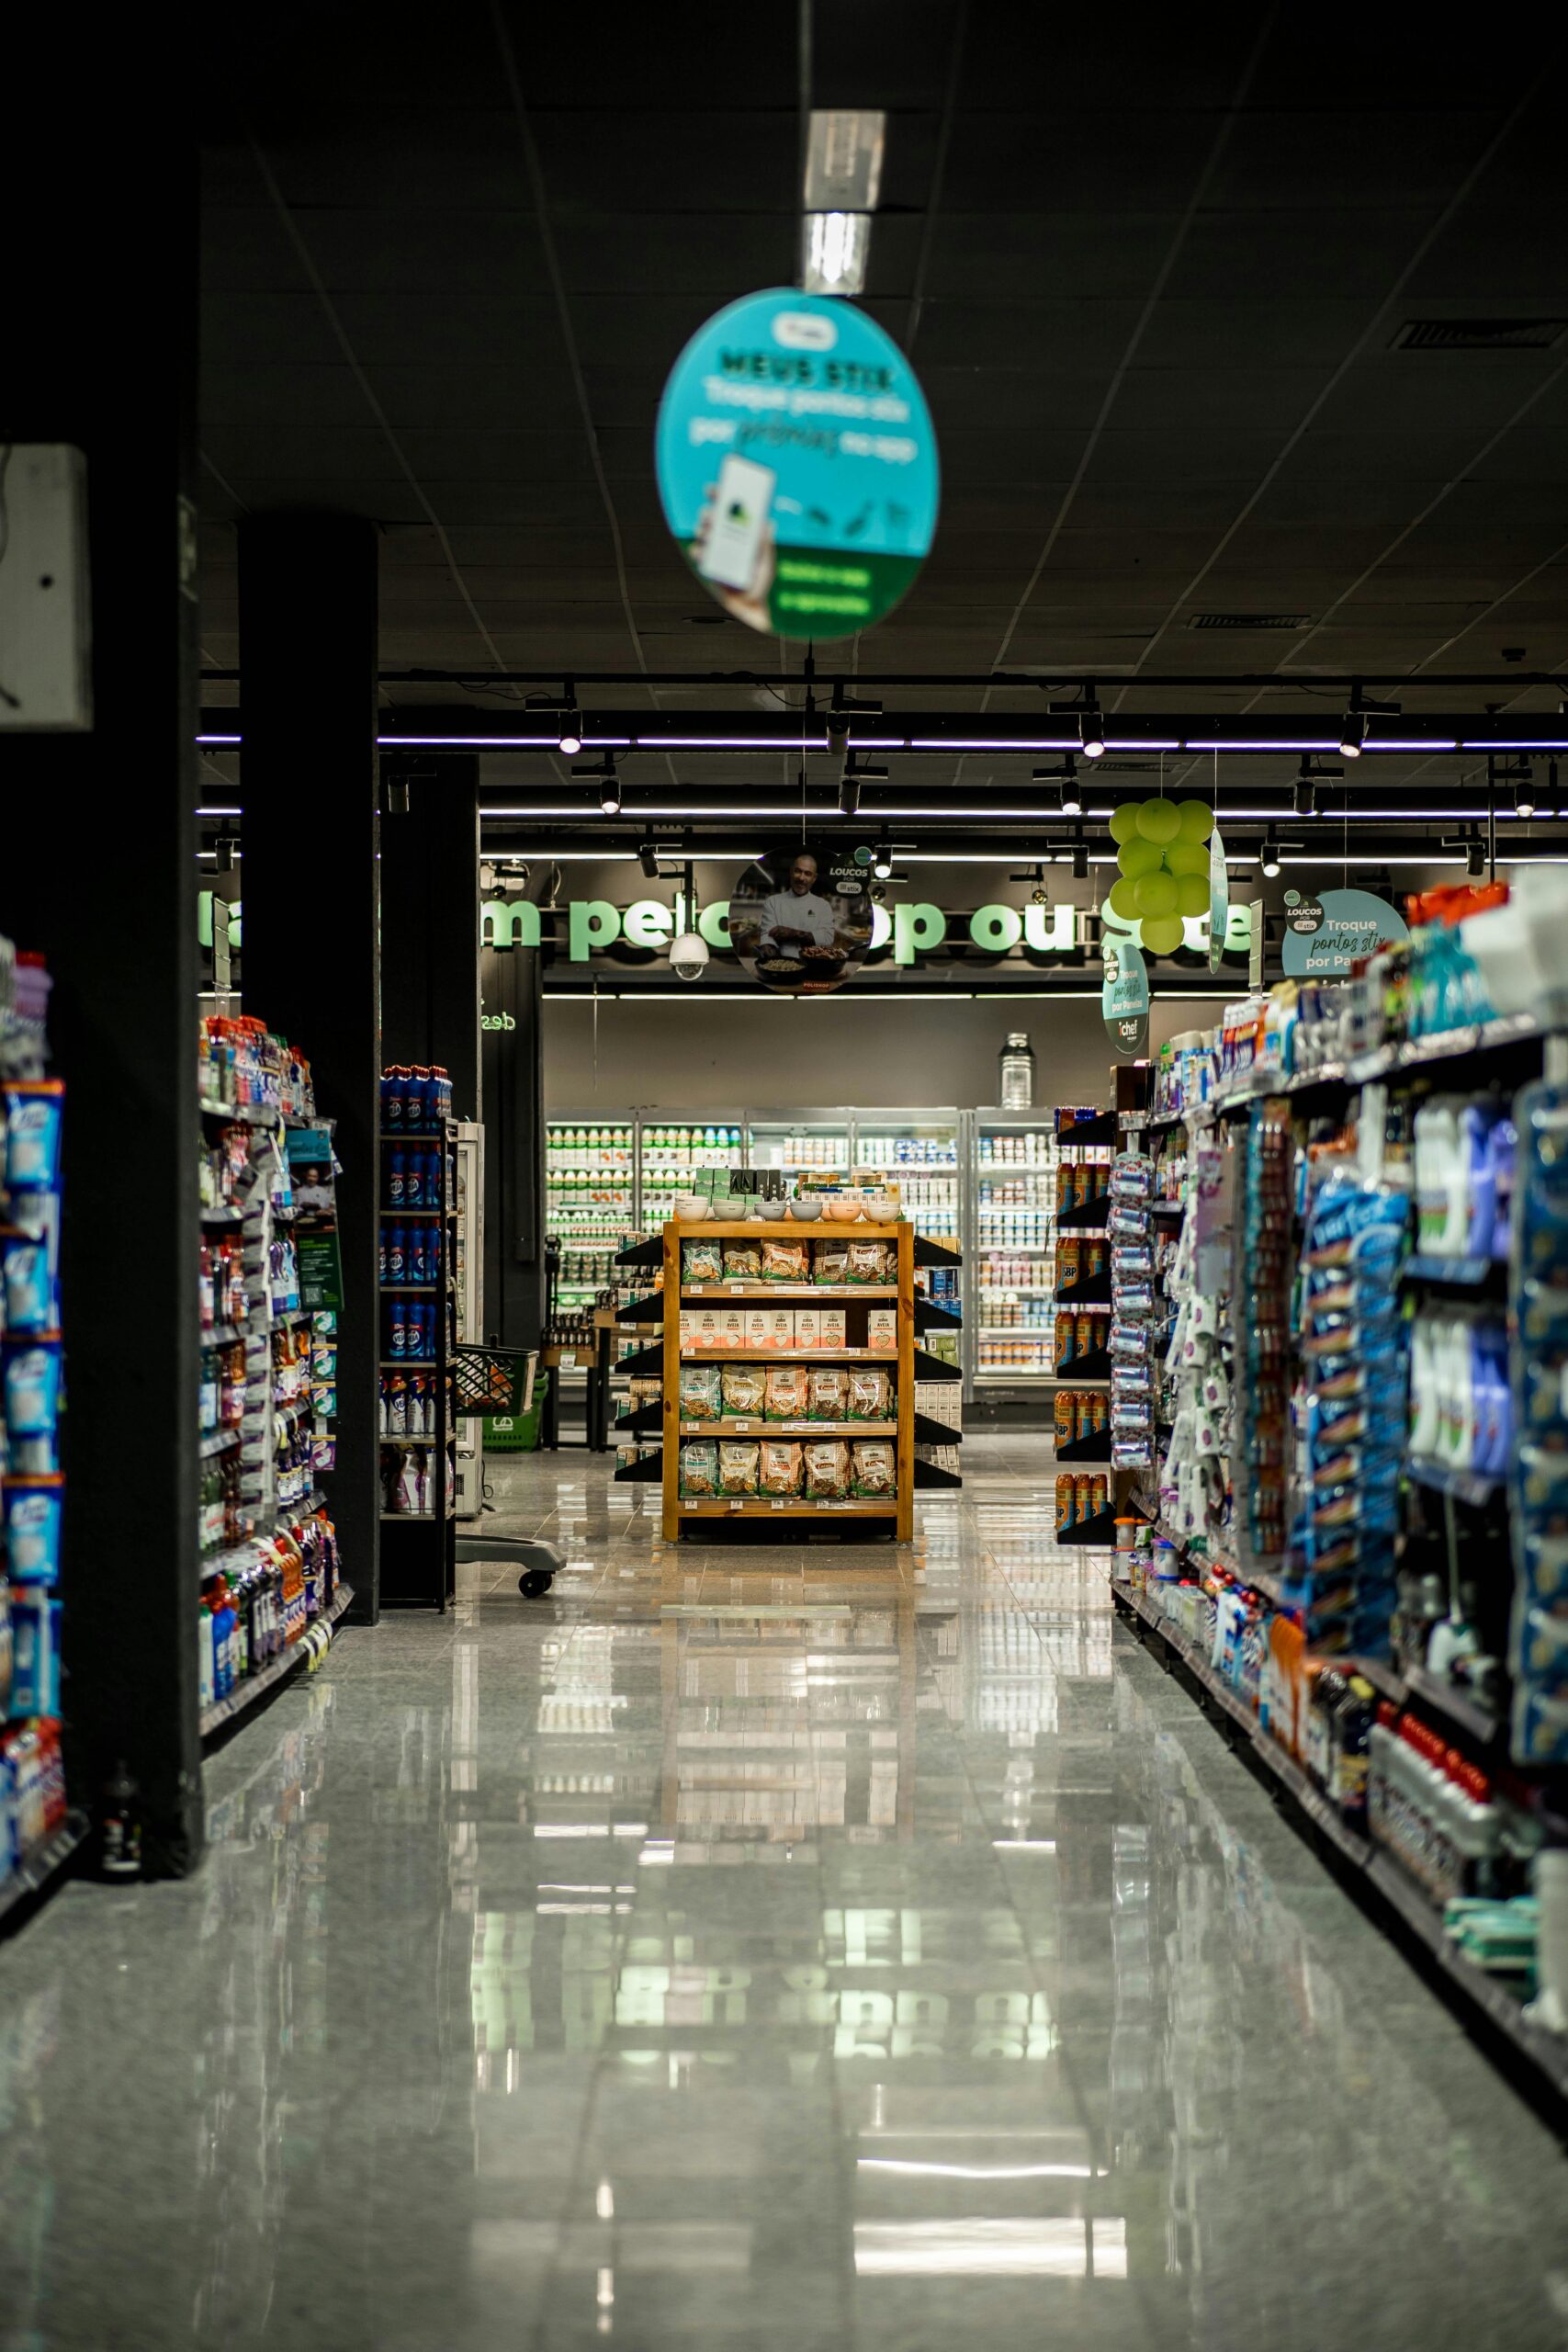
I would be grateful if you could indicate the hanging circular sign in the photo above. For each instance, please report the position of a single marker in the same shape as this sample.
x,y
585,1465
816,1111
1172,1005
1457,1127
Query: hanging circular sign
x,y
800,919
1325,936
798,464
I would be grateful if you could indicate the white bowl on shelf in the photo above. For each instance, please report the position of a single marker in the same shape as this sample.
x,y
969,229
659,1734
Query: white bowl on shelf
x,y
767,1208
807,1212
882,1209
690,1208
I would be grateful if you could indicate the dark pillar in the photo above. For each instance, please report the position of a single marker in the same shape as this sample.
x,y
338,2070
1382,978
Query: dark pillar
x,y
98,872
308,656
430,923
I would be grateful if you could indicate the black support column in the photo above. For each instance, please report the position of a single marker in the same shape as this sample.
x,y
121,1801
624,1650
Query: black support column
x,y
98,872
311,955
430,921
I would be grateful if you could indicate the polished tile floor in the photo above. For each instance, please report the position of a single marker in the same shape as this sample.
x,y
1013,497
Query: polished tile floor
x,y
753,1951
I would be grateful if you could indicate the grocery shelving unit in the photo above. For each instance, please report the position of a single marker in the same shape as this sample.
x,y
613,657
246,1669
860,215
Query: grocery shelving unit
x,y
419,1561
788,1512
1010,1239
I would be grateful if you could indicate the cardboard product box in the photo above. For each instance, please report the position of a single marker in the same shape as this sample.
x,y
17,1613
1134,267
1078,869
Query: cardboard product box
x,y
732,1327
688,1330
881,1330
759,1326
707,1328
781,1323
807,1327
833,1323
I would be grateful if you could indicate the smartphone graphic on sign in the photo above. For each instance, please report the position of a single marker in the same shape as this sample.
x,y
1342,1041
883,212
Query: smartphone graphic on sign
x,y
739,517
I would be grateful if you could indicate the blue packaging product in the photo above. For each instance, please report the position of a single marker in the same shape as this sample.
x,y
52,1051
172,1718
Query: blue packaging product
x,y
397,1179
29,1286
1544,1563
34,1113
397,1242
414,1181
32,1369
35,1666
34,1515
391,1099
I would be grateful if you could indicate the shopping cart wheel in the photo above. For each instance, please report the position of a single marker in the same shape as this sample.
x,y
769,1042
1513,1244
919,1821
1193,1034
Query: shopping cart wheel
x,y
534,1582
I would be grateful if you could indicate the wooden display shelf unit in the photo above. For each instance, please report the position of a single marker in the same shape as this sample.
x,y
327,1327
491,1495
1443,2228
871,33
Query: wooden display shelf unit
x,y
837,1292
792,1510
754,1426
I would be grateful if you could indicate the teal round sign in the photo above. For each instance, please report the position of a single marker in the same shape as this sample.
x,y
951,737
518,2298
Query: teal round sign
x,y
798,464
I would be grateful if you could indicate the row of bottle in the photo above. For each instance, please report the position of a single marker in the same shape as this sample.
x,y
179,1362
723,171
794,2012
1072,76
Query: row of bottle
x,y
248,1618
415,1099
411,1179
1008,1270
680,1142
410,1328
407,1404
563,1140
1014,1151
221,1284
1017,1313
241,1061
595,1183
410,1253
1009,1354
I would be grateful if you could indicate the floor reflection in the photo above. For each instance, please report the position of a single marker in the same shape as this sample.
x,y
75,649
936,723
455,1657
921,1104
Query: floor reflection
x,y
827,1947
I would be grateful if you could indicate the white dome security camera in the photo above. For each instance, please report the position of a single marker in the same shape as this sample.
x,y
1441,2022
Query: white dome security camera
x,y
689,955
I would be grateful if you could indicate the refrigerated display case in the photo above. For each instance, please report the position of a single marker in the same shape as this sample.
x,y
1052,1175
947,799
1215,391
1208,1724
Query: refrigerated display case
x,y
670,1151
800,1141
918,1151
467,1280
1012,1244
590,1198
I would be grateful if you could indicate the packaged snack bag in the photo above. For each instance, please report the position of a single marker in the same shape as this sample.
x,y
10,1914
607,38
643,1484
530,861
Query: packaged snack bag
x,y
742,1260
786,1393
832,1324
778,1469
872,1466
745,1390
827,1389
869,1394
781,1325
807,1328
699,1466
867,1262
699,1262
830,1261
881,1330
826,1467
737,1467
785,1261
700,1392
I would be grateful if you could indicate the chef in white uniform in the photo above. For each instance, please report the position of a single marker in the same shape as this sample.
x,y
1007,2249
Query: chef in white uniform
x,y
797,916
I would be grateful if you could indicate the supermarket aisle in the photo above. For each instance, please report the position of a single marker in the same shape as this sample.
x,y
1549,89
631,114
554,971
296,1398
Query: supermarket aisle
x,y
752,1951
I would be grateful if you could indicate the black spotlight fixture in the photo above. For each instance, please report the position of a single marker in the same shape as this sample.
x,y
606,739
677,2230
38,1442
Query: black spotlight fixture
x,y
648,858
1081,856
397,796
1268,858
1068,793
1475,858
881,859
1091,731
602,773
1524,793
224,851
848,791
1353,726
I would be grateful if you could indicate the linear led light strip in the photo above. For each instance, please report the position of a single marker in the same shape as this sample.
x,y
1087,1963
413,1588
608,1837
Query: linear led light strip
x,y
826,811
787,741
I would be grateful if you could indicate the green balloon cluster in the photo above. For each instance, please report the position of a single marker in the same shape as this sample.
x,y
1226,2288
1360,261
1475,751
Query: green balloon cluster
x,y
1164,868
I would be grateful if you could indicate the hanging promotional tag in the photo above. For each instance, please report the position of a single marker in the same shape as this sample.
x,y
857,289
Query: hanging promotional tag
x,y
1125,997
